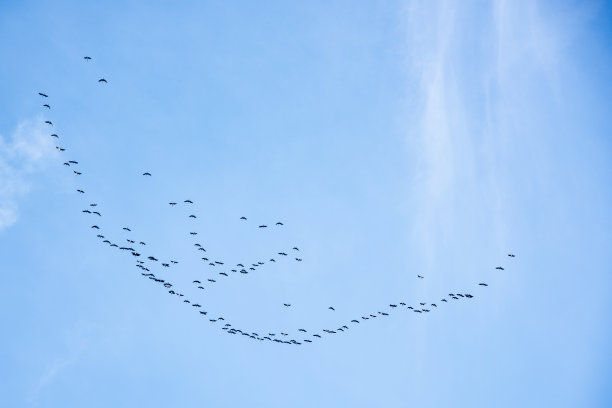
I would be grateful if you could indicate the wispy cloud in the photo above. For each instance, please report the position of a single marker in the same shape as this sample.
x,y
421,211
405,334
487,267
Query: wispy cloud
x,y
476,67
22,154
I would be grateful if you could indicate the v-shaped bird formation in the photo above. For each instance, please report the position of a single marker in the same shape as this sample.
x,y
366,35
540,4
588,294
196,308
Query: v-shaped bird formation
x,y
152,269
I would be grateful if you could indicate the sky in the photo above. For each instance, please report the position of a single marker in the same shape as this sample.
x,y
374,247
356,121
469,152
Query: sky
x,y
391,138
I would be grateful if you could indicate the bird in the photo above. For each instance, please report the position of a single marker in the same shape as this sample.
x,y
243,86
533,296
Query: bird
x,y
173,204
93,205
61,149
87,211
331,308
77,173
354,321
296,248
66,164
282,253
392,305
86,58
48,122
193,233
73,162
97,213
279,223
127,229
434,305
511,255
419,276
165,265
243,218
499,268
286,304
146,174
298,259
263,226
174,262
55,135
316,335
43,95
81,191
197,281
192,216
95,227
142,243
188,201
47,106
102,80
212,280
302,330
483,284
223,273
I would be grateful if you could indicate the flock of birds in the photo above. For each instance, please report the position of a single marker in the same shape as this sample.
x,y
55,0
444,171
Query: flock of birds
x,y
149,269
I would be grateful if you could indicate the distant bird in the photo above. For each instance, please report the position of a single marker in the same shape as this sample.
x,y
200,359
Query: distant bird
x,y
165,265
172,204
392,305
97,213
55,136
142,243
188,201
77,173
192,216
483,284
298,259
499,268
331,308
93,205
354,321
434,305
86,58
174,262
73,162
444,300
316,335
196,281
146,174
193,233
48,122
127,229
81,191
87,211
296,248
212,280
302,330
44,95
282,253
286,304
279,223
66,164
243,218
272,260
47,106
223,273
263,226
102,80
511,255
95,227
419,276
61,149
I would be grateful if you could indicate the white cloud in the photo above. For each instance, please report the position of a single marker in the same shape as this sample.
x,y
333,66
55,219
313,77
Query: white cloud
x,y
22,154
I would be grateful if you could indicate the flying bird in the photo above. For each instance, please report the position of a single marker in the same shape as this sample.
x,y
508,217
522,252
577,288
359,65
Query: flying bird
x,y
47,106
55,136
146,174
102,80
44,95
331,308
192,216
95,227
263,226
243,218
173,204
279,223
286,304
499,268
61,149
86,58
419,276
77,173
511,255
48,122
127,229
188,201
296,248
483,284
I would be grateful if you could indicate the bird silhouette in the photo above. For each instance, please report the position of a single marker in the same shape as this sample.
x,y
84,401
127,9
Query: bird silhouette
x,y
511,255
102,80
499,268
146,174
47,106
483,284
331,308
188,201
55,135
86,58
43,95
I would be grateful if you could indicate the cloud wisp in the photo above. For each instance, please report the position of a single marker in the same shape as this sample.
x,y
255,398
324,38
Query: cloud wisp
x,y
26,151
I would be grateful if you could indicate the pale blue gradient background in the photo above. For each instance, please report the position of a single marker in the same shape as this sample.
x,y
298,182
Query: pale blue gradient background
x,y
391,138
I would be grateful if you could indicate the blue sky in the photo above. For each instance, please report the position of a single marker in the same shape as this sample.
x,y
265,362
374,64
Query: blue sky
x,y
391,139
